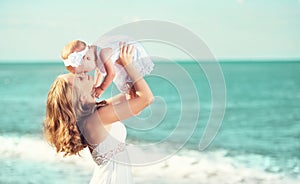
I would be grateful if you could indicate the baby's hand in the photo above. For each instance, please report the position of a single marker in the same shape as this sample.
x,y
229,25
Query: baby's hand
x,y
97,91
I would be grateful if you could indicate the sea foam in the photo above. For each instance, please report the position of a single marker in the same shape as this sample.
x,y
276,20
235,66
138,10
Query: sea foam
x,y
186,166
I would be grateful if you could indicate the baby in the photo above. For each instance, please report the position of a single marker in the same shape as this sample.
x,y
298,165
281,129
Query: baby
x,y
78,57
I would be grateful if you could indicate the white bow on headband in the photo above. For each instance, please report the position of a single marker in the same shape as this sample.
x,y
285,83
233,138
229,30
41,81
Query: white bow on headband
x,y
75,58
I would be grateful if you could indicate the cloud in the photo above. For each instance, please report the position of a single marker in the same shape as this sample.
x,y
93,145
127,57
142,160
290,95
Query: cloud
x,y
131,19
135,19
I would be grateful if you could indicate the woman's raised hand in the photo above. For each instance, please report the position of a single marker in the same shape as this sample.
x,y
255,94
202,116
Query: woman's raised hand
x,y
133,106
126,54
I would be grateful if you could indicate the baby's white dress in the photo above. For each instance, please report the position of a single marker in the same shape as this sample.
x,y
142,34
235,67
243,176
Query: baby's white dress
x,y
111,158
141,61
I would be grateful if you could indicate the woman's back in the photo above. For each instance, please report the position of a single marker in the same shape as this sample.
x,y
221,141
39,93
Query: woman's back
x,y
111,158
116,136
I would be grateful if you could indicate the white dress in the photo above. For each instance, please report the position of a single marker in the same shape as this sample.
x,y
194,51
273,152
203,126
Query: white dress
x,y
141,61
111,157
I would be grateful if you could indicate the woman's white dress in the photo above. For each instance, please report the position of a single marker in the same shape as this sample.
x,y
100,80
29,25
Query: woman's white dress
x,y
111,157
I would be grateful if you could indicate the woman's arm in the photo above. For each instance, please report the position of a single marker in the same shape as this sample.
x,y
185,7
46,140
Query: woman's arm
x,y
144,97
116,99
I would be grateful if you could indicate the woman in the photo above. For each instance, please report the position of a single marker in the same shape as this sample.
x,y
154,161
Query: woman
x,y
73,120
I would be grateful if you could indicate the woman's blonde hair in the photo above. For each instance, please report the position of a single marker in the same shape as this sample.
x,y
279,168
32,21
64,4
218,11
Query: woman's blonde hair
x,y
60,124
68,49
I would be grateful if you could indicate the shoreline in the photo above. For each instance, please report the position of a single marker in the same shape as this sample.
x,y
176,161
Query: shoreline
x,y
184,167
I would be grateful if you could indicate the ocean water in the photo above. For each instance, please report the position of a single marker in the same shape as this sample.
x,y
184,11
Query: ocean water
x,y
258,141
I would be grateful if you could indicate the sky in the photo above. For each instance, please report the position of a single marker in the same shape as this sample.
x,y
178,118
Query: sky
x,y
36,30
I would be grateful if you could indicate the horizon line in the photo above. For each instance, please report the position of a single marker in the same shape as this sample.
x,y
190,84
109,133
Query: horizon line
x,y
177,60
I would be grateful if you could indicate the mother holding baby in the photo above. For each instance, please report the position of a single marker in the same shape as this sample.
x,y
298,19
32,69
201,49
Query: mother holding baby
x,y
74,121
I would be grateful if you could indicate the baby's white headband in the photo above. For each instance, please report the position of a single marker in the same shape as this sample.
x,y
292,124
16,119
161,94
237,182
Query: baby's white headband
x,y
75,58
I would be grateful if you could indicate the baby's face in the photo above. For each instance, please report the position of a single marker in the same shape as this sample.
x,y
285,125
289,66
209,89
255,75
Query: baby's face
x,y
88,61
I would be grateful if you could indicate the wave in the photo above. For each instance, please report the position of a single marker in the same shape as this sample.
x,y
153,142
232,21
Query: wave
x,y
190,166
186,166
37,149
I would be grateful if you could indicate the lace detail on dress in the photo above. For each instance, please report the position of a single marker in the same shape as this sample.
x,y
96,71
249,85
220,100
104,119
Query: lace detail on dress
x,y
143,65
102,159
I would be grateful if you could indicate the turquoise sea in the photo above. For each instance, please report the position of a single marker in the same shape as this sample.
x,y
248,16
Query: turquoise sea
x,y
258,141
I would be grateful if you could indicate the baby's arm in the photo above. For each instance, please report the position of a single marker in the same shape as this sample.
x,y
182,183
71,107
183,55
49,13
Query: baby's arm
x,y
96,90
97,76
105,56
